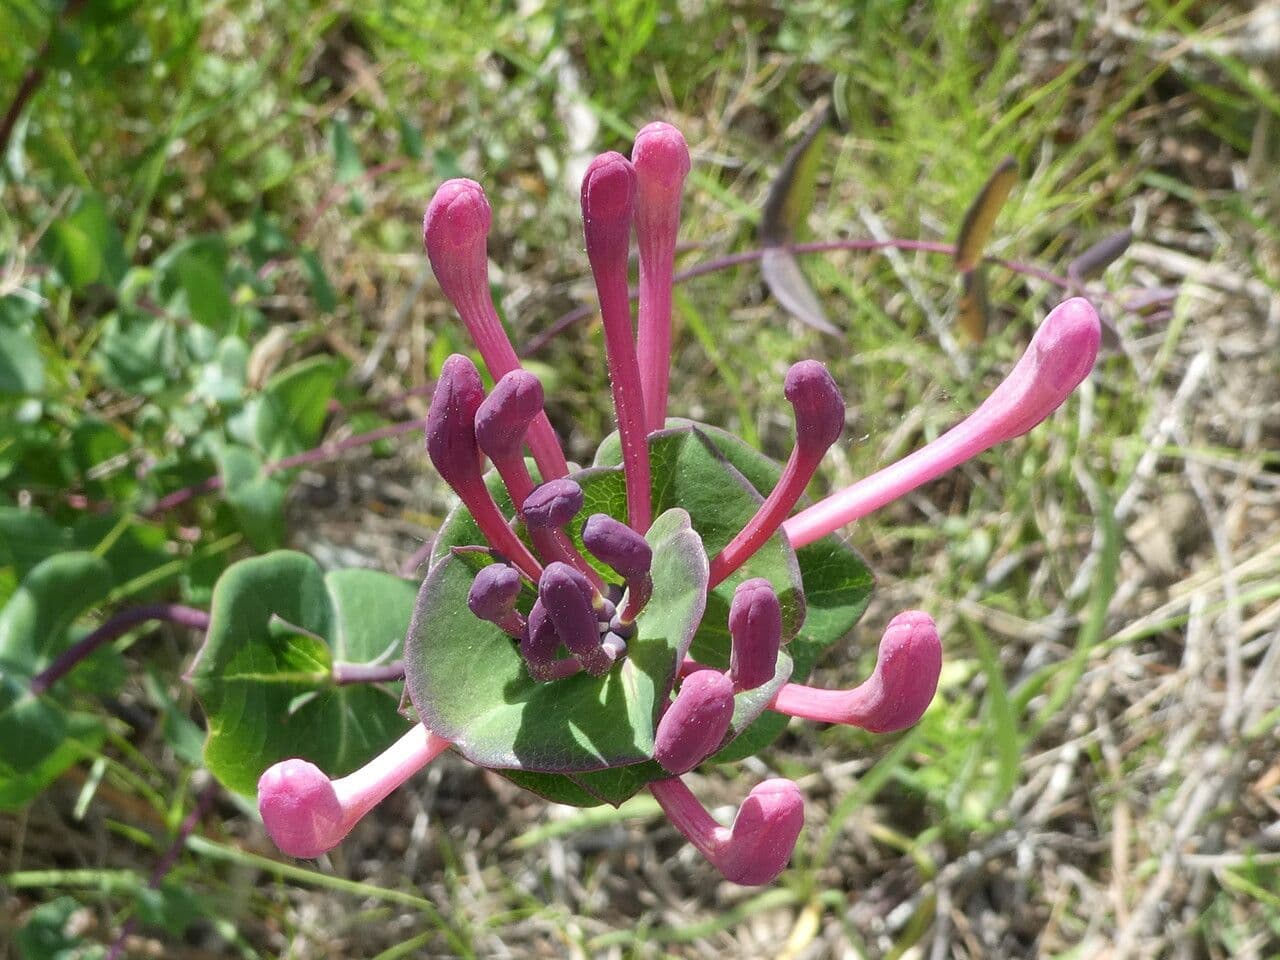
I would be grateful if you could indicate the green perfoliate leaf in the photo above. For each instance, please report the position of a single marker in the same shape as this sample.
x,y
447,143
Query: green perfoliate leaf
x,y
290,411
469,683
256,499
263,675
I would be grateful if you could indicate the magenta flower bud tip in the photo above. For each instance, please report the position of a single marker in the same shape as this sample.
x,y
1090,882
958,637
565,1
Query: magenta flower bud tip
x,y
818,405
505,415
494,591
1059,357
300,809
451,434
905,679
617,545
661,158
552,505
608,201
755,626
455,229
764,833
566,595
695,723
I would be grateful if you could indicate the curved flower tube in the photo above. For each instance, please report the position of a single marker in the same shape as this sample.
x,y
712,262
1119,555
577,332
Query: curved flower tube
x,y
1059,357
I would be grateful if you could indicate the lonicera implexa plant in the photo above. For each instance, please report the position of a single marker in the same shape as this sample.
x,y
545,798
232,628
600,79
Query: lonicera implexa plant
x,y
594,631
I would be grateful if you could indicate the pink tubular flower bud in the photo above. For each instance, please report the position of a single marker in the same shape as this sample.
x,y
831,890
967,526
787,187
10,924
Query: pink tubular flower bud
x,y
552,505
452,447
566,595
661,160
819,414
896,694
1060,356
695,723
307,814
455,231
758,845
755,626
608,200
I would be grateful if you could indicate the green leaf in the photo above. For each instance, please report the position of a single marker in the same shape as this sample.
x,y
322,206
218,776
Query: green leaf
x,y
21,365
345,156
291,409
256,499
48,934
85,247
276,626
469,684
38,737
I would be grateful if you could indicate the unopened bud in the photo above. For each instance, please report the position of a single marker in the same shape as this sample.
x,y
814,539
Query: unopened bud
x,y
695,723
617,545
818,405
552,505
451,433
455,230
494,591
505,415
565,593
755,624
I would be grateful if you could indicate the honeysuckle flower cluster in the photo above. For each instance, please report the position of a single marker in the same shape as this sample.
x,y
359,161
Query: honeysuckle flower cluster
x,y
579,591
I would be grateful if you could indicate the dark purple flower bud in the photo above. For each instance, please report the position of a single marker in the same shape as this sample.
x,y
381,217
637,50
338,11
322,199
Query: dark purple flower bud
x,y
617,545
818,405
565,593
451,432
755,624
493,594
695,723
552,505
506,413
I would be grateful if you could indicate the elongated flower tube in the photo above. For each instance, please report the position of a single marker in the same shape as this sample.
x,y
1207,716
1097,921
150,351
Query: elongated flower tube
x,y
1060,356
695,723
452,447
307,814
661,160
492,597
758,845
819,413
896,694
455,231
616,545
608,199
566,595
502,421
755,626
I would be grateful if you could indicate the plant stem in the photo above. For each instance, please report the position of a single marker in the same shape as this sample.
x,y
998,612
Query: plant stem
x,y
349,673
114,628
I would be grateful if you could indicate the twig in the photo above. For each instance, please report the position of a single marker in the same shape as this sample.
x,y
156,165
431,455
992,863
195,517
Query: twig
x,y
116,627
349,673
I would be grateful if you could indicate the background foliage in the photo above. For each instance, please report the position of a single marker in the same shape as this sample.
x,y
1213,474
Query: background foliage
x,y
210,264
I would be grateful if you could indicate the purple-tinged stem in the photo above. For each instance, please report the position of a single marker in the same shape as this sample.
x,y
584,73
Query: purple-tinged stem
x,y
1059,357
452,447
728,261
896,694
819,415
113,629
608,199
349,673
661,160
307,814
455,231
758,845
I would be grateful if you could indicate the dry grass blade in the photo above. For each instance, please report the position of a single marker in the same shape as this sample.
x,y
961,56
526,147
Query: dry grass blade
x,y
782,219
975,230
1099,256
975,312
